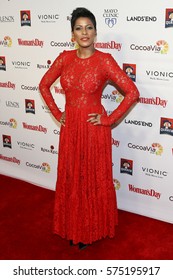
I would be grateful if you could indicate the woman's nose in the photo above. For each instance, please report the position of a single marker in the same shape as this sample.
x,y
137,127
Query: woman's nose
x,y
84,31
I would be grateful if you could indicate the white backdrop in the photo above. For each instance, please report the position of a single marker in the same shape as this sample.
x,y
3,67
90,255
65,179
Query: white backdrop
x,y
139,36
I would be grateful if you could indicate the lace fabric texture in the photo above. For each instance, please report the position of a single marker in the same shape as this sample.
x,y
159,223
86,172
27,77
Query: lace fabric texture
x,y
85,200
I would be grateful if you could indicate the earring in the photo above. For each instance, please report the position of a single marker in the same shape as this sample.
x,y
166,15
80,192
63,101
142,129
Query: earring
x,y
72,39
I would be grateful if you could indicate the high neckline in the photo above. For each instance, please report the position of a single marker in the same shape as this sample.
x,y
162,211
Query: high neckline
x,y
84,58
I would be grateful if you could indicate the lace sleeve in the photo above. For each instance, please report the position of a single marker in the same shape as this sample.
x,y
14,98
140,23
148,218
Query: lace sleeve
x,y
126,87
48,79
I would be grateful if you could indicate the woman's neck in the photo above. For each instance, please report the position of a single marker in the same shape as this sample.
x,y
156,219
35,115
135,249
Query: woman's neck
x,y
85,52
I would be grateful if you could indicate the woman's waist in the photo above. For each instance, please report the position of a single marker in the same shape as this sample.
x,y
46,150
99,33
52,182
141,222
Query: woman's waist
x,y
85,110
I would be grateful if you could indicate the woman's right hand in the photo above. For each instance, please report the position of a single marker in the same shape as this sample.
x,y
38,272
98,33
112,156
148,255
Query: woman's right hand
x,y
62,119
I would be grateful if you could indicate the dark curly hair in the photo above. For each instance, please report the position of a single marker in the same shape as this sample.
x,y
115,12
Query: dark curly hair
x,y
82,12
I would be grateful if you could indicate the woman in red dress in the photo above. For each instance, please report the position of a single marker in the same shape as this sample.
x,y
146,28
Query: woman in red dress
x,y
85,200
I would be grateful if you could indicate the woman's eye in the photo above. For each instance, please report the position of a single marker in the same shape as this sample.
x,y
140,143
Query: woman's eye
x,y
90,27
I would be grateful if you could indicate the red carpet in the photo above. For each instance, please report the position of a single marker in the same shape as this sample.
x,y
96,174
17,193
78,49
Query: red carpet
x,y
26,230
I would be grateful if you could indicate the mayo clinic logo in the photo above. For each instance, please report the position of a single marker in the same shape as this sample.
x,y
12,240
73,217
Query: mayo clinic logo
x,y
110,16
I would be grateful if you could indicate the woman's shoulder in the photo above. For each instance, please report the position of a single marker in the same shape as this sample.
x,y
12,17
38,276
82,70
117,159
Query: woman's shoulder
x,y
67,53
103,54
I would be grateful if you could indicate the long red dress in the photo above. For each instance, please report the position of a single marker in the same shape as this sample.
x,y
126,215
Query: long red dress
x,y
85,200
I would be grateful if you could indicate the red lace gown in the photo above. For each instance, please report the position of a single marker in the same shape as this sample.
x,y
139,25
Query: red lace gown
x,y
85,201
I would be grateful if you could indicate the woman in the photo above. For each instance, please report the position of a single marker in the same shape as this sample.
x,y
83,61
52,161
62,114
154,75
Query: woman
x,y
85,201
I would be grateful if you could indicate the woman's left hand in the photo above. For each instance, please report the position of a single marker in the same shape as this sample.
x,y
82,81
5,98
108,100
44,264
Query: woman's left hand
x,y
94,118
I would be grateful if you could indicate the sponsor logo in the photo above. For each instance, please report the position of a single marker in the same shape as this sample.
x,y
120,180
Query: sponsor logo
x,y
30,43
21,64
29,106
117,184
155,148
115,142
148,192
45,167
11,123
140,123
70,45
7,141
48,18
169,18
26,145
6,19
10,159
161,47
154,172
51,150
142,18
7,42
34,88
25,18
44,66
57,132
108,45
7,85
166,126
38,128
12,104
171,198
126,166
46,109
2,63
115,96
153,101
159,75
130,70
110,16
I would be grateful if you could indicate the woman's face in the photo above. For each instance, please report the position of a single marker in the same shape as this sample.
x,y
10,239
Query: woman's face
x,y
84,32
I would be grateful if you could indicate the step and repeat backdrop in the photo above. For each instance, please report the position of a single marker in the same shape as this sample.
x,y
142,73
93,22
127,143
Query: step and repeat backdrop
x,y
139,37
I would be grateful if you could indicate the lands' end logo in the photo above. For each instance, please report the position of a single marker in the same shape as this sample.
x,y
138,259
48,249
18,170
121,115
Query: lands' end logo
x,y
169,18
25,18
